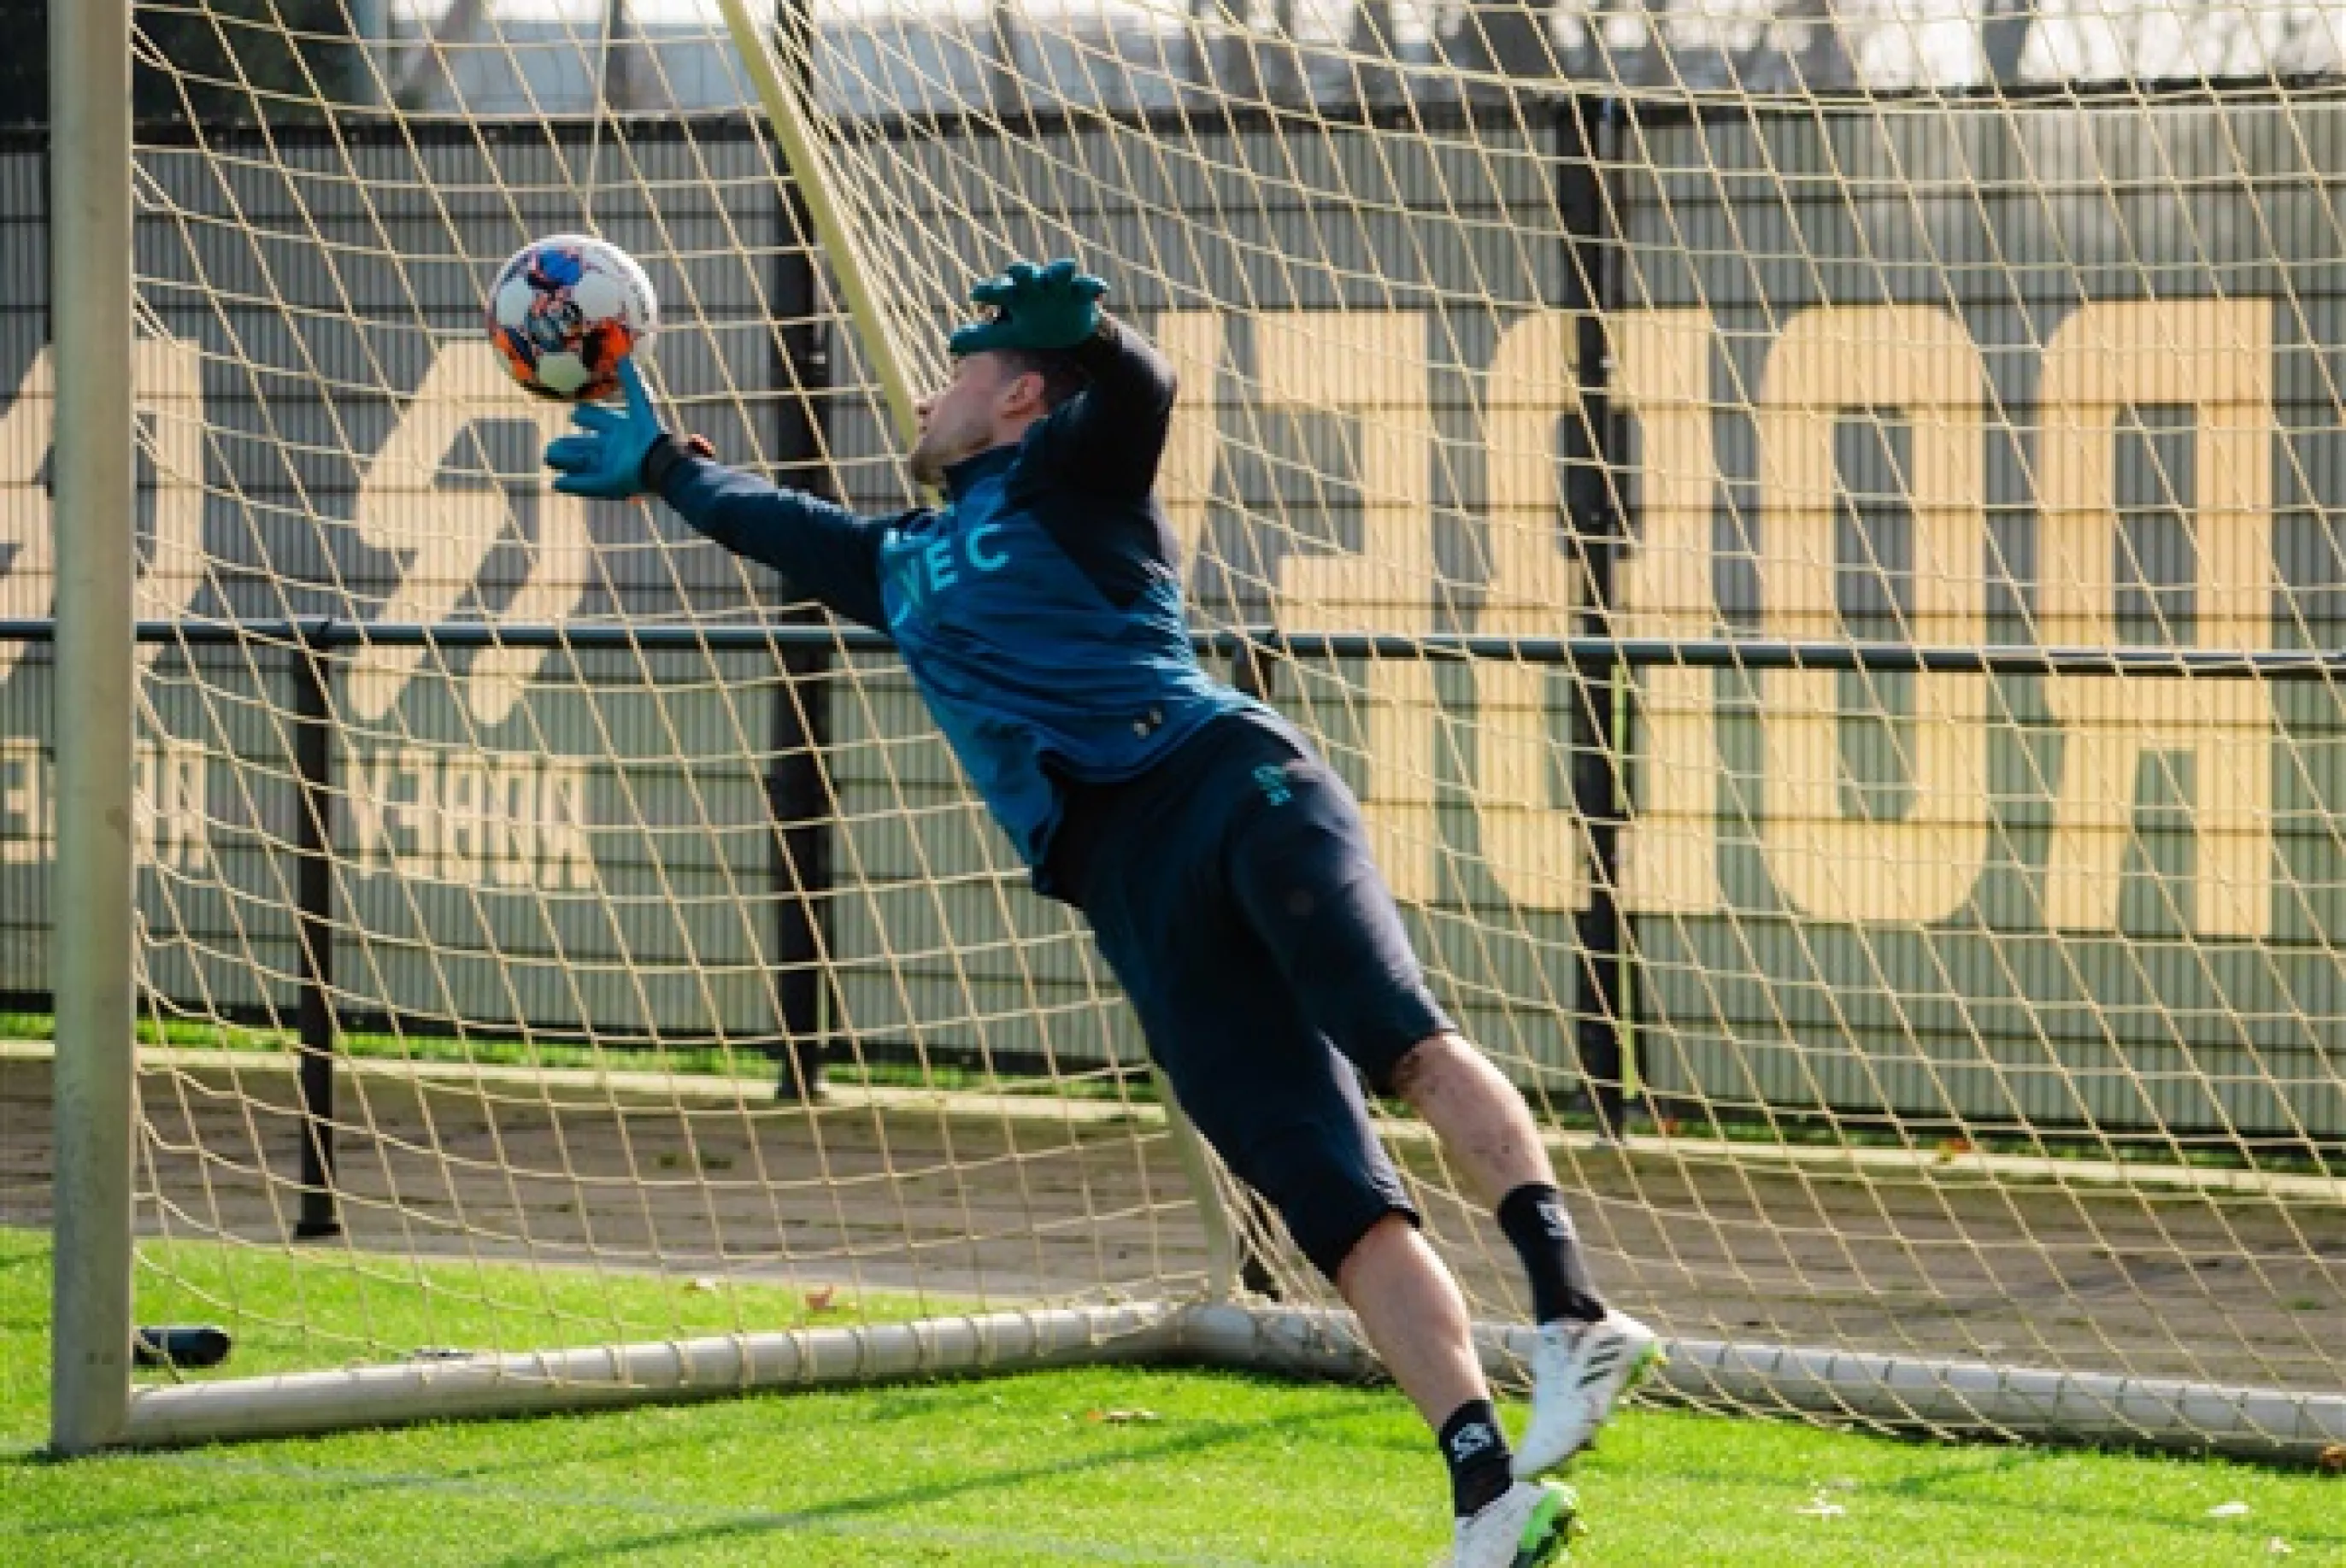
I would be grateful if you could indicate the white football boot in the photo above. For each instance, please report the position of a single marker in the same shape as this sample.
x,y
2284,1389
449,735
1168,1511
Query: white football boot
x,y
1530,1525
1579,1372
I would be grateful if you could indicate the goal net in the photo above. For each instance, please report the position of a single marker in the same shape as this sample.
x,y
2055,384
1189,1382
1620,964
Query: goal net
x,y
1812,532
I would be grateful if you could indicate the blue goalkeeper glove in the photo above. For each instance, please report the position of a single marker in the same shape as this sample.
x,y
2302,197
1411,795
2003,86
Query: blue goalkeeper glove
x,y
1051,308
606,462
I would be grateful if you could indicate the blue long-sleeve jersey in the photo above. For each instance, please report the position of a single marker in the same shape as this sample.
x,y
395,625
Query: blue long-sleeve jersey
x,y
1039,611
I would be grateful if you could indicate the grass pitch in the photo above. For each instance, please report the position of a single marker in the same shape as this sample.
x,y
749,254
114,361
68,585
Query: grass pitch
x,y
1119,1466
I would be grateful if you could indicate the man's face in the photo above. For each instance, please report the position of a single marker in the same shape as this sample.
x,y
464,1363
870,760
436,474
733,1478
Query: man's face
x,y
987,402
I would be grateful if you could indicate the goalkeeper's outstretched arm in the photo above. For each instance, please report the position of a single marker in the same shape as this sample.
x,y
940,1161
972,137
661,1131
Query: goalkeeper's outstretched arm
x,y
827,552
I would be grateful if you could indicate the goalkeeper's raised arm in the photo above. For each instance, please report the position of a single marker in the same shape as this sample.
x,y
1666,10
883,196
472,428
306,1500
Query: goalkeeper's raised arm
x,y
1107,392
1039,609
1091,399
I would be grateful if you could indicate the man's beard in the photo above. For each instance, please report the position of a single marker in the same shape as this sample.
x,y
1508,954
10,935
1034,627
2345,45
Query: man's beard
x,y
930,459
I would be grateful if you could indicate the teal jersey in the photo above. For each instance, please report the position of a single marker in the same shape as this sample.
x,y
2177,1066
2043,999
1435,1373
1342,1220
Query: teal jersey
x,y
1039,611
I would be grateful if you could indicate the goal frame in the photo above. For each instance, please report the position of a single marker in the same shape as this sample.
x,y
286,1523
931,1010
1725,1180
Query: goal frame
x,y
93,1403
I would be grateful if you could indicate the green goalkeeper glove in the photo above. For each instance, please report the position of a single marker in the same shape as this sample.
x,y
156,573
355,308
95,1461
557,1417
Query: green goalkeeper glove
x,y
606,460
620,455
1049,307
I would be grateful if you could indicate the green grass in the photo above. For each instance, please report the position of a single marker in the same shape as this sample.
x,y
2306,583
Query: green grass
x,y
1228,1471
325,1306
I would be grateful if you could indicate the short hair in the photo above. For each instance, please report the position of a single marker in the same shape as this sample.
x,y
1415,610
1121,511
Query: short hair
x,y
1063,377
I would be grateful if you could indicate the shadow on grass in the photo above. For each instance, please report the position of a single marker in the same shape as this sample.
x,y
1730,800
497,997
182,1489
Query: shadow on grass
x,y
1020,1549
486,1482
847,1516
580,1447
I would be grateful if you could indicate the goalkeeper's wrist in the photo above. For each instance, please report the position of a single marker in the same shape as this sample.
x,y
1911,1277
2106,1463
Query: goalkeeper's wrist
x,y
664,457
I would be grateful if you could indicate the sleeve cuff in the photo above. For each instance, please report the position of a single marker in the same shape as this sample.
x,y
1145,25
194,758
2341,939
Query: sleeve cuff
x,y
666,456
1103,347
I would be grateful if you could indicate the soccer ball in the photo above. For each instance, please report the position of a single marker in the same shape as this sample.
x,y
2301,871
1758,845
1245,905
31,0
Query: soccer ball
x,y
565,311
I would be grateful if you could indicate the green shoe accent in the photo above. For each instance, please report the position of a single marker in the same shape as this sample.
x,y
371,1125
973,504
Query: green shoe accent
x,y
1643,1369
1547,1534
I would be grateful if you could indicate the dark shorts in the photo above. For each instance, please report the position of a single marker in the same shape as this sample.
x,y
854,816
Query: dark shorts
x,y
1233,894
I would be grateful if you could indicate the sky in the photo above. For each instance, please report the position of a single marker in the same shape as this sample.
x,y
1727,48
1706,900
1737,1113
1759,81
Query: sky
x,y
1891,43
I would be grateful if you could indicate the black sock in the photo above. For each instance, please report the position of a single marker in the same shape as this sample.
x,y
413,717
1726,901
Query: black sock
x,y
1534,1219
1476,1450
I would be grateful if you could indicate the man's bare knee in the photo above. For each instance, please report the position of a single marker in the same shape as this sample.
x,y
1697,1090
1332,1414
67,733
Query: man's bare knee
x,y
1390,1229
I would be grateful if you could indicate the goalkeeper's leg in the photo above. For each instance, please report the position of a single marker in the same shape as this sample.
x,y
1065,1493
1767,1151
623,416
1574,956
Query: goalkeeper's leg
x,y
1303,870
1588,1356
1411,1311
1294,1127
1286,1116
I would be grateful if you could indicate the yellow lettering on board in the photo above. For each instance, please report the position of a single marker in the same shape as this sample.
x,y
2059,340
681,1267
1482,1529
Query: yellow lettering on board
x,y
1536,851
512,823
27,833
1661,378
2214,357
1828,362
444,534
418,812
1373,369
167,393
169,804
169,373
463,820
565,858
29,582
1192,341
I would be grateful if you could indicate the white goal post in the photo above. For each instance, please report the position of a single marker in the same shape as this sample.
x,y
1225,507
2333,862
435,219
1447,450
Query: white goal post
x,y
1826,585
96,972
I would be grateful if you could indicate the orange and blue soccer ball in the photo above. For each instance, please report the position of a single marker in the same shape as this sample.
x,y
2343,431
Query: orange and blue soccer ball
x,y
565,311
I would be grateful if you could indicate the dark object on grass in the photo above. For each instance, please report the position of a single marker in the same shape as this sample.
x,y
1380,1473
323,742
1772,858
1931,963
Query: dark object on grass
x,y
181,1345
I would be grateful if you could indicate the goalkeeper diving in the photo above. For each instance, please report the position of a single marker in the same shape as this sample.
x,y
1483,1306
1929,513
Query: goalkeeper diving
x,y
1222,866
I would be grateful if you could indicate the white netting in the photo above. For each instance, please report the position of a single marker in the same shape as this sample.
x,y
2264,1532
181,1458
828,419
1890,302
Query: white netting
x,y
1990,1013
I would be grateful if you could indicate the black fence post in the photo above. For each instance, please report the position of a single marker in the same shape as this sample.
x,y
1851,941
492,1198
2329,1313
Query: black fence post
x,y
1596,525
796,788
800,801
314,753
